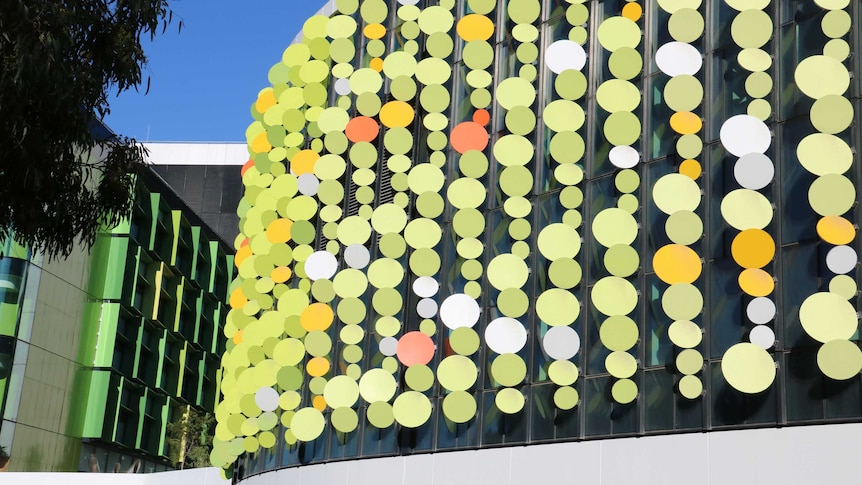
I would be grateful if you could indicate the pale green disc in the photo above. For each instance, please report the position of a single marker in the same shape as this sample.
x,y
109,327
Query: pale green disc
x,y
689,146
411,409
380,414
747,209
566,398
686,25
571,197
614,226
515,91
832,4
622,128
516,181
563,115
621,365
571,84
822,153
508,369
344,419
689,361
684,227
520,229
521,120
468,223
525,33
563,372
507,271
387,326
509,401
478,54
683,93
840,359
377,385
624,391
619,32
671,6
559,241
685,334
464,340
819,76
619,333
513,150
479,78
459,406
419,377
456,373
754,60
843,285
569,174
751,28
832,114
567,147
622,260
439,44
482,7
760,109
557,307
430,204
828,316
466,193
521,249
832,195
613,295
473,289
307,424
392,245
428,327
690,387
627,181
836,23
470,248
748,368
473,164
837,49
352,334
758,84
422,233
565,273
513,302
682,301
625,63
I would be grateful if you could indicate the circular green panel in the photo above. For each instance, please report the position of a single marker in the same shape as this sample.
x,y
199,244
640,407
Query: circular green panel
x,y
625,63
619,333
686,25
459,406
508,369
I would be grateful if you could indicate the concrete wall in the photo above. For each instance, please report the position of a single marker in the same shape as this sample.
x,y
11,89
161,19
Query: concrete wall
x,y
799,455
198,476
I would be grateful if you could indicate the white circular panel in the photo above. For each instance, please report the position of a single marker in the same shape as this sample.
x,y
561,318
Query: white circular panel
x,y
754,171
744,134
321,265
356,256
678,58
624,156
505,335
561,343
426,308
342,86
565,54
426,286
459,310
762,336
760,310
841,259
307,184
389,346
266,399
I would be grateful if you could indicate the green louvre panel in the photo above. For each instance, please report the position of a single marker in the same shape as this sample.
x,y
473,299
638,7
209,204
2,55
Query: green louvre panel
x,y
88,419
107,270
107,315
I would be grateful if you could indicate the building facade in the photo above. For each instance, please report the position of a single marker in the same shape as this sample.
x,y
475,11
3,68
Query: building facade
x,y
101,350
475,224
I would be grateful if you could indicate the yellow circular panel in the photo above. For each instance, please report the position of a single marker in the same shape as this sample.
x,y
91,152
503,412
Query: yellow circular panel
x,y
832,114
509,401
840,359
843,285
819,76
412,409
682,301
624,391
621,365
507,271
676,263
676,192
475,27
753,248
751,28
614,296
822,153
828,316
618,32
689,361
685,334
746,209
756,282
748,368
690,387
559,241
563,372
614,226
831,195
307,424
671,6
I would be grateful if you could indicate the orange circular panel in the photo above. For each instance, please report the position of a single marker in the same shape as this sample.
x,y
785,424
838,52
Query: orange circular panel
x,y
632,11
280,274
415,348
376,64
685,122
278,231
241,254
319,403
317,316
303,162
691,169
469,136
237,337
836,230
676,263
246,166
265,101
475,27
237,298
260,144
396,114
374,31
756,282
317,366
362,128
482,117
753,248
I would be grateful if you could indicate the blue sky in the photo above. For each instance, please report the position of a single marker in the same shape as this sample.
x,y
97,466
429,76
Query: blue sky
x,y
204,79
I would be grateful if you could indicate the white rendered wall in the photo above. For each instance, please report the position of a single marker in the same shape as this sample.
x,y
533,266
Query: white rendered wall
x,y
169,153
828,454
197,476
